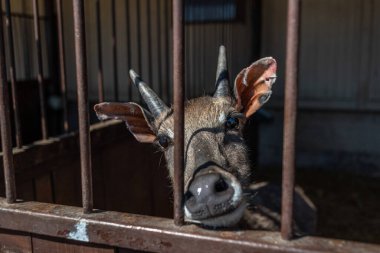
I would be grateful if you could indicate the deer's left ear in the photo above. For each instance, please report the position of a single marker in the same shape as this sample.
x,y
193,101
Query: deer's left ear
x,y
137,119
253,85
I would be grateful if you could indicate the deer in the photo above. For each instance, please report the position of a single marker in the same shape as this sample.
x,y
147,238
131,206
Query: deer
x,y
218,192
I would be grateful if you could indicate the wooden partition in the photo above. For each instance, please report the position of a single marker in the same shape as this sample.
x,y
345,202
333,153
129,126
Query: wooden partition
x,y
128,176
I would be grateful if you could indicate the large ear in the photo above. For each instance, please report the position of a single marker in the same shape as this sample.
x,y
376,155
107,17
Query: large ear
x,y
137,119
253,85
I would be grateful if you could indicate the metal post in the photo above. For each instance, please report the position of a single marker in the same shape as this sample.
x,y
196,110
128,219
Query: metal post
x,y
6,134
114,51
159,54
100,58
40,69
82,92
167,48
178,87
12,73
149,31
129,51
290,115
62,63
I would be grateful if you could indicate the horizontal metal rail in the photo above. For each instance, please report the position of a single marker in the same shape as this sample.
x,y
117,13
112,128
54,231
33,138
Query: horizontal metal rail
x,y
155,234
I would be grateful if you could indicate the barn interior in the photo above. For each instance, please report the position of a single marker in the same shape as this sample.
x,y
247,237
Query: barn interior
x,y
338,155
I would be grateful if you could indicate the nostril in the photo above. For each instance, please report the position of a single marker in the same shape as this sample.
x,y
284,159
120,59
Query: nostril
x,y
188,195
220,185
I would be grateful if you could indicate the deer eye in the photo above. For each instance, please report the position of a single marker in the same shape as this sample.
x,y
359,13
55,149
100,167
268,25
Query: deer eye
x,y
164,141
232,123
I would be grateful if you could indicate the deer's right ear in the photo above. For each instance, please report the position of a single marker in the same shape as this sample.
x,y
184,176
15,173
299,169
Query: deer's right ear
x,y
253,85
137,119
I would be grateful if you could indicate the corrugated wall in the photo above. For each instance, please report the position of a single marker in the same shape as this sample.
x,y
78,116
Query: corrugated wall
x,y
339,85
340,52
152,51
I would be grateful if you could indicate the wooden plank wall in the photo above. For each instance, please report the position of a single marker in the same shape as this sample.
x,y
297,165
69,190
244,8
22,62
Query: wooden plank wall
x,y
127,176
340,52
16,242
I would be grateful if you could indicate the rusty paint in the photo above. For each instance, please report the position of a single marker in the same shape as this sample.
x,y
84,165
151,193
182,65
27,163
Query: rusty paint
x,y
6,132
83,105
12,73
40,75
158,234
178,97
62,65
100,58
290,116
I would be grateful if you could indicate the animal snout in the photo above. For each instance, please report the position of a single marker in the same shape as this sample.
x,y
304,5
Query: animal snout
x,y
210,194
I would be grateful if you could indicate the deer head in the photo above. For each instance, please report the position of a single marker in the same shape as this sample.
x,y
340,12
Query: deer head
x,y
216,164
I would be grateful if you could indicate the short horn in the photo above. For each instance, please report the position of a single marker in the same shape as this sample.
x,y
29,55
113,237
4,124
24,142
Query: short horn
x,y
222,77
155,104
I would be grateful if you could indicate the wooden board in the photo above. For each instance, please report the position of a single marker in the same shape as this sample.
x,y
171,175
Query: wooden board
x,y
43,245
14,242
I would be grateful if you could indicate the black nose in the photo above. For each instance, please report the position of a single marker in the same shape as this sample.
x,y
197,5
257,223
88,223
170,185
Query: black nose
x,y
209,195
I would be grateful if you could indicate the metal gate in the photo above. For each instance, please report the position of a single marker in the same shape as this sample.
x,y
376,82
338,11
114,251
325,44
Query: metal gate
x,y
124,230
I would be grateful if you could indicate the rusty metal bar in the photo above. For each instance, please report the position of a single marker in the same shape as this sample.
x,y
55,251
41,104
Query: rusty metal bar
x,y
156,234
290,116
40,69
114,51
12,73
167,46
129,51
82,92
6,132
138,10
100,57
149,31
62,63
159,54
178,97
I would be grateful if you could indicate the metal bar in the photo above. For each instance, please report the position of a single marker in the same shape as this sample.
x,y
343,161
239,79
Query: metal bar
x,y
114,51
290,116
12,73
159,54
138,10
129,51
149,31
156,234
178,97
40,70
167,62
82,92
100,57
6,132
62,63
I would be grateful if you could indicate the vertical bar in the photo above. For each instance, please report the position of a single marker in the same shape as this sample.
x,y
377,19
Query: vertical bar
x,y
167,63
159,55
12,73
6,135
114,51
149,30
40,69
62,63
178,97
139,35
129,52
100,58
82,92
290,116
